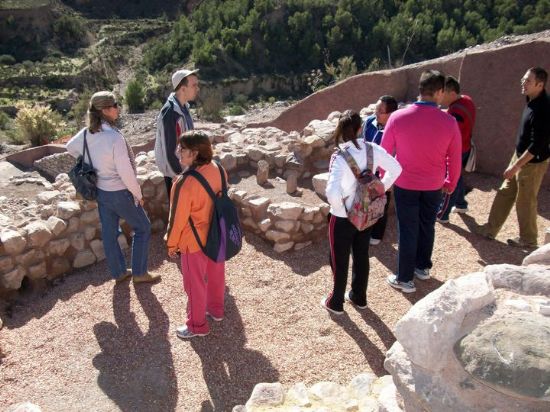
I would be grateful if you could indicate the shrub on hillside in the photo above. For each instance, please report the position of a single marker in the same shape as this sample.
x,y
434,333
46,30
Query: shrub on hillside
x,y
4,120
345,67
79,109
37,124
134,96
7,60
69,32
211,104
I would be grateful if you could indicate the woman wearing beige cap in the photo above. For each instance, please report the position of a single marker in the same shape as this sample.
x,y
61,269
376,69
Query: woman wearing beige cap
x,y
119,194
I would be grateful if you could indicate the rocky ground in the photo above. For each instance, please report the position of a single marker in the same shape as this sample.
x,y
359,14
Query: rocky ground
x,y
86,344
18,186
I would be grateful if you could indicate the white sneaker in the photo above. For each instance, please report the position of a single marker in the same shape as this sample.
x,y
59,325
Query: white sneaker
x,y
406,287
459,209
422,274
374,241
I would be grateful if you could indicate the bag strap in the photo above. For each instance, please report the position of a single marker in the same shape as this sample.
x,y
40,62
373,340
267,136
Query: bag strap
x,y
86,150
210,192
370,158
351,162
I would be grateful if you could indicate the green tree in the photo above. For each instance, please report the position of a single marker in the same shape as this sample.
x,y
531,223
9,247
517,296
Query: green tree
x,y
134,96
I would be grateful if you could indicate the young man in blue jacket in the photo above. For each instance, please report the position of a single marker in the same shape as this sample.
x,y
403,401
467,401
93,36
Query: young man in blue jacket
x,y
174,119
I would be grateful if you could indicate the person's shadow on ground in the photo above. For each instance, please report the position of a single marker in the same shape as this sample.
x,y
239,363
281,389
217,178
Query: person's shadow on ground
x,y
373,355
136,369
230,369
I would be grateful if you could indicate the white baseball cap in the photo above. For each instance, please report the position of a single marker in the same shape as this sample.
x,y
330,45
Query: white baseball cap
x,y
178,76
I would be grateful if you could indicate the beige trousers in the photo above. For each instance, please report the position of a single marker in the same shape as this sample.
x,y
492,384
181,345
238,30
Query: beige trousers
x,y
522,190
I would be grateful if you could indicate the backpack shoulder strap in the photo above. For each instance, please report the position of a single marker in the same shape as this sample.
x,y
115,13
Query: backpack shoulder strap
x,y
222,174
351,162
202,181
370,157
212,195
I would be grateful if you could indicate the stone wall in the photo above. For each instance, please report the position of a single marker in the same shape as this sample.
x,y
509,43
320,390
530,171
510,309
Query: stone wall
x,y
490,76
53,165
62,231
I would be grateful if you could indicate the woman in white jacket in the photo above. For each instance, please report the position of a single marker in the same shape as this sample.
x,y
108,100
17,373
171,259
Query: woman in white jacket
x,y
119,194
344,237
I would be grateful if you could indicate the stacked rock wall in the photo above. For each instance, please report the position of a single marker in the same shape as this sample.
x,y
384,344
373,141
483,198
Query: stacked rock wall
x,y
489,75
61,232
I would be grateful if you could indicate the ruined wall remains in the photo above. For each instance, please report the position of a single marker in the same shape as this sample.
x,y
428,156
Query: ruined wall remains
x,y
491,76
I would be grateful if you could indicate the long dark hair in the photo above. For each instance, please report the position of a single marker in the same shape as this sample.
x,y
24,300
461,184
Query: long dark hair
x,y
349,124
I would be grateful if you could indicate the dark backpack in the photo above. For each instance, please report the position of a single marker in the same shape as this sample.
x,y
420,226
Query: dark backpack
x,y
83,175
224,238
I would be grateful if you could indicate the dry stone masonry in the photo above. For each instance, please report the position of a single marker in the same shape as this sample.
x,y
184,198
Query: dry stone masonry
x,y
58,232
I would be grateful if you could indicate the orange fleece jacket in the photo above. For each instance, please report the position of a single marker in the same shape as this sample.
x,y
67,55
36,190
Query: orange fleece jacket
x,y
189,199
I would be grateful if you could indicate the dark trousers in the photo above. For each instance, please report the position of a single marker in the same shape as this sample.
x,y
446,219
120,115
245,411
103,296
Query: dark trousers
x,y
379,228
416,212
168,181
344,239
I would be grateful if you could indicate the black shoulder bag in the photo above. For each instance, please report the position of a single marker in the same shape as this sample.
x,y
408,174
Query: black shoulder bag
x,y
83,175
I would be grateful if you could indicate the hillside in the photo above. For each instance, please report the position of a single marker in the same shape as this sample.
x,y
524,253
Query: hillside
x,y
58,51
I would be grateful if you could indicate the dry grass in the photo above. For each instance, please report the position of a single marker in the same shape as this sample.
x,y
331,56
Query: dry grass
x,y
88,345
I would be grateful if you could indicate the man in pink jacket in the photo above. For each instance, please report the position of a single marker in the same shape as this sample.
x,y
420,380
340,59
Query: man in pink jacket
x,y
427,144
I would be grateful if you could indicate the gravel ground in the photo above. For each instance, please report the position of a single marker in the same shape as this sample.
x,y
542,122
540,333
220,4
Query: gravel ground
x,y
86,344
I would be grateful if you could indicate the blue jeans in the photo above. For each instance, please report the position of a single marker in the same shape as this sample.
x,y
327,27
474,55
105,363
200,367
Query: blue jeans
x,y
416,212
112,207
457,198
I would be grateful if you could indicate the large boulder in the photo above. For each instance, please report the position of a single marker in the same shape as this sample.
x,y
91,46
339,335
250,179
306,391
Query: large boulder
x,y
479,342
510,353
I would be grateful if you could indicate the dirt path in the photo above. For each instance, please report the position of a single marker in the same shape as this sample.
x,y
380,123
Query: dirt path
x,y
86,344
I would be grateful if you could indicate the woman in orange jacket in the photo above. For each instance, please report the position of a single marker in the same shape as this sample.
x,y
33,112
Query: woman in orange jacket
x,y
203,279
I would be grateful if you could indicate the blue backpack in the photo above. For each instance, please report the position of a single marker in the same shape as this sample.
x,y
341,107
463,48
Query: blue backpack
x,y
224,238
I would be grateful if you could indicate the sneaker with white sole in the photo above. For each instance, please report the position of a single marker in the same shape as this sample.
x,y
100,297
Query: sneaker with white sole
x,y
442,221
214,318
348,299
405,287
183,333
333,311
374,241
457,209
422,274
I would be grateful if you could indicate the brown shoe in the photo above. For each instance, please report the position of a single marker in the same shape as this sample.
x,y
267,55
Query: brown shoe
x,y
148,277
124,276
482,231
517,242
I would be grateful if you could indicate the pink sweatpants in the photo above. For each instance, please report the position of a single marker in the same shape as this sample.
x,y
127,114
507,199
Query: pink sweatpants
x,y
204,284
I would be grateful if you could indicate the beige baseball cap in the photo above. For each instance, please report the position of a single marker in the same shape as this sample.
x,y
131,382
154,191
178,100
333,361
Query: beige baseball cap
x,y
178,76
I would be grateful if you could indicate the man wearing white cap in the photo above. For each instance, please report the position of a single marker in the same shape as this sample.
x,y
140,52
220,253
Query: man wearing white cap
x,y
174,119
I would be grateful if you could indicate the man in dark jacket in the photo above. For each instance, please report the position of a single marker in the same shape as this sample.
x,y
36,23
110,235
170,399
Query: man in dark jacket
x,y
529,163
174,119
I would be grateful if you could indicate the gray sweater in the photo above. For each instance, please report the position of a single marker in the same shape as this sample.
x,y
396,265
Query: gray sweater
x,y
110,159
